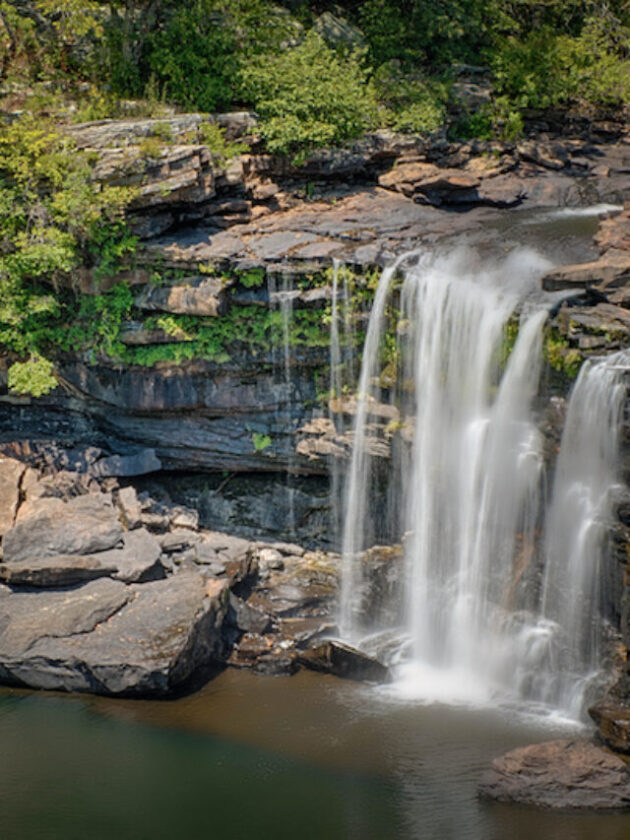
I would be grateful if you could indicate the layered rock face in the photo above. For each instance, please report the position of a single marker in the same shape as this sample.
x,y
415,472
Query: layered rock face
x,y
108,592
226,371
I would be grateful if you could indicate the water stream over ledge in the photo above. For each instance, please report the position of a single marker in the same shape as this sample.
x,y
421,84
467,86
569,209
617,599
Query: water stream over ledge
x,y
498,596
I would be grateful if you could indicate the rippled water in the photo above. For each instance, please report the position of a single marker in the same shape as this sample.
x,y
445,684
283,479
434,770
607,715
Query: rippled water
x,y
248,756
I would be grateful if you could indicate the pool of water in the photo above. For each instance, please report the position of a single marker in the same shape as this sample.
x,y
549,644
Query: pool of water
x,y
271,758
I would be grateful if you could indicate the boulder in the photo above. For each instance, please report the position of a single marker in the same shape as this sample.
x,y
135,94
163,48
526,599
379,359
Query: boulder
x,y
337,31
11,472
246,618
611,271
207,297
83,525
130,507
108,638
141,463
62,570
137,560
28,617
560,774
344,661
613,722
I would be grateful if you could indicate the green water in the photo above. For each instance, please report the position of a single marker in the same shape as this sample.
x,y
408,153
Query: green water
x,y
259,757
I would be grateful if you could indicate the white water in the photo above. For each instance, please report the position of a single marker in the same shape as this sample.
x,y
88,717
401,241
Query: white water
x,y
475,621
586,483
284,299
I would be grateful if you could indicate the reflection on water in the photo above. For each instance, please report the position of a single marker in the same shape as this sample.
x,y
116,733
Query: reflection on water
x,y
248,756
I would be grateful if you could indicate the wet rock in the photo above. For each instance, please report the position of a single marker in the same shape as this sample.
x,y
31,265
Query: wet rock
x,y
344,661
142,640
276,664
560,774
83,525
613,722
610,321
11,472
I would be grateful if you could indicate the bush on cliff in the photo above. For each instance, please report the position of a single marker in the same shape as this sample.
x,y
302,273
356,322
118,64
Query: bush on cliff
x,y
309,96
53,219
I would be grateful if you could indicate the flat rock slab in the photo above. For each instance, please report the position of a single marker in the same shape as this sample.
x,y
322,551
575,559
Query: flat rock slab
x,y
568,774
108,638
59,571
81,526
29,617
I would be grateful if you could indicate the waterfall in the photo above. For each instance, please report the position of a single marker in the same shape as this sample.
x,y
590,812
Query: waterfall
x,y
475,618
283,298
587,481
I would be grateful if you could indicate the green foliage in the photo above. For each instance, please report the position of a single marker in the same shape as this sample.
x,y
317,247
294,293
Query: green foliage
x,y
500,119
96,322
34,377
254,278
193,59
560,355
546,69
309,96
408,102
260,441
53,219
151,148
213,136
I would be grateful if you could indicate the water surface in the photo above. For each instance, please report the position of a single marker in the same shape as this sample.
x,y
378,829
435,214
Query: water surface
x,y
249,756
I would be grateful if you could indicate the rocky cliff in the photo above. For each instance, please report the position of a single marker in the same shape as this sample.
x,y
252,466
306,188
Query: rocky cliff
x,y
224,380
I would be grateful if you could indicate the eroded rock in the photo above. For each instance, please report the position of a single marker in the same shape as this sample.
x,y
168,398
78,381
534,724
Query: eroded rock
x,y
80,526
109,638
560,774
11,472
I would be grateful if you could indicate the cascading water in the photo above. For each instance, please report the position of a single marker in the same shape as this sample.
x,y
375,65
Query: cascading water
x,y
587,481
475,621
283,298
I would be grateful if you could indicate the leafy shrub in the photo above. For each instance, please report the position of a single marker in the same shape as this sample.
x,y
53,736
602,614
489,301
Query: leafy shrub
x,y
214,138
546,69
34,376
309,96
53,218
408,102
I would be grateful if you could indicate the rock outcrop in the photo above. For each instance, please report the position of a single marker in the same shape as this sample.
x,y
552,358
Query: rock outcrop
x,y
109,593
565,774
